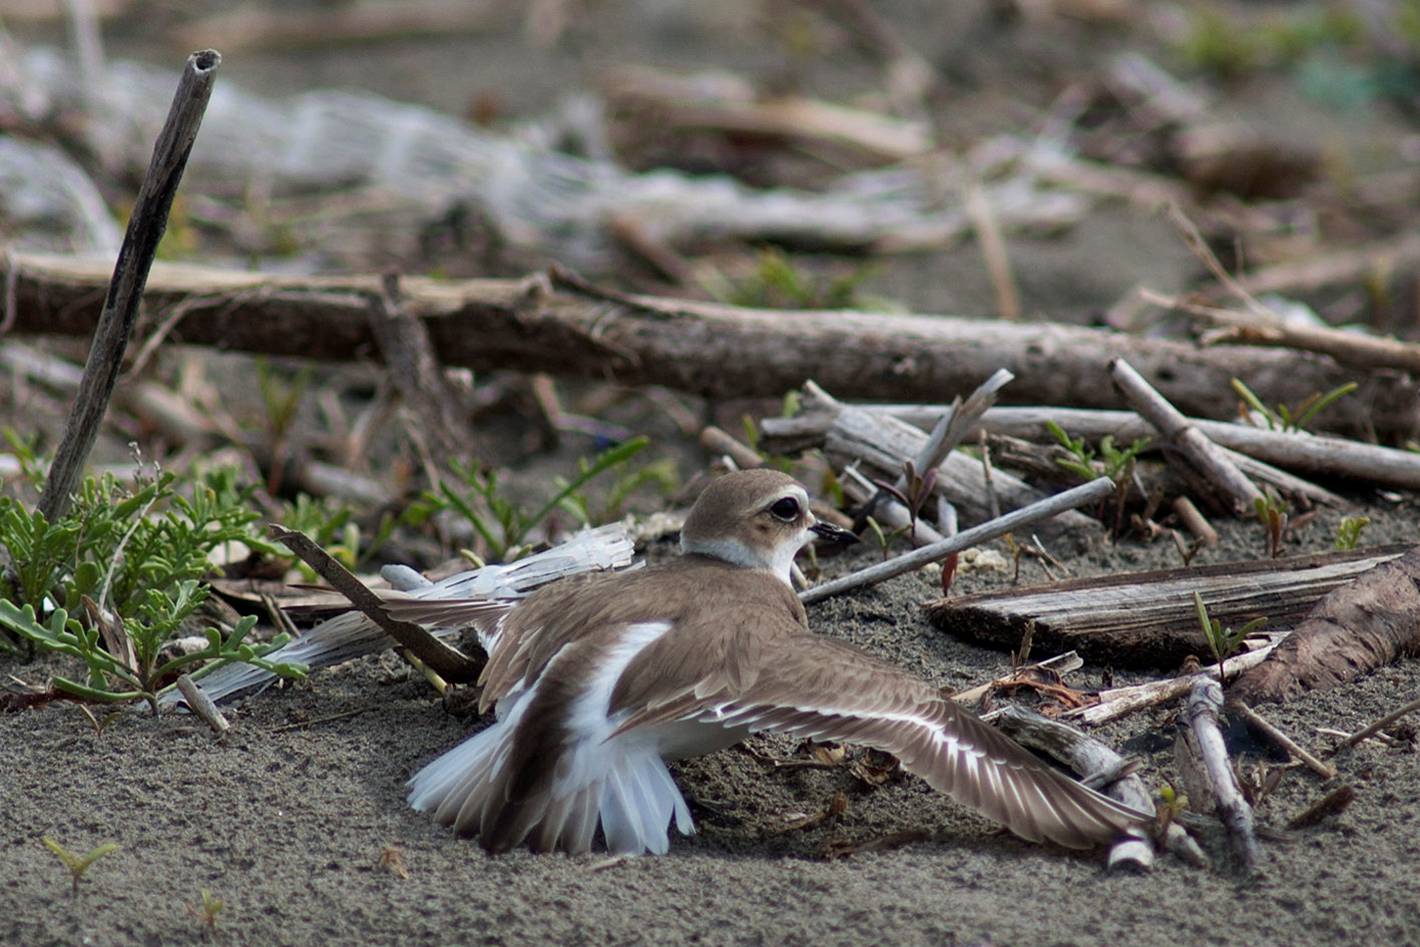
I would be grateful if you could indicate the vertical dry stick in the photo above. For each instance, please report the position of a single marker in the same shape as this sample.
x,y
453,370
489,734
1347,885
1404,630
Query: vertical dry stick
x,y
130,274
1204,702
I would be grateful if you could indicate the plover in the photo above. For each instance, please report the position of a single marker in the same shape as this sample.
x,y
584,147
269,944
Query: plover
x,y
598,680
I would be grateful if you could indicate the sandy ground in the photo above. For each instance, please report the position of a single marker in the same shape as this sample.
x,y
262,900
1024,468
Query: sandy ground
x,y
288,826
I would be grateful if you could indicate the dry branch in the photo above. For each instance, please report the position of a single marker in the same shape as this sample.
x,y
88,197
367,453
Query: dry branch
x,y
1379,725
258,27
1122,701
125,290
1090,492
1358,627
1295,750
1313,454
1148,618
853,434
1204,702
444,659
705,348
415,370
724,102
1087,757
1367,352
1204,456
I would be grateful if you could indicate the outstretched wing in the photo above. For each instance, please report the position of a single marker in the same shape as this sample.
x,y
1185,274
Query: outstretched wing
x,y
822,689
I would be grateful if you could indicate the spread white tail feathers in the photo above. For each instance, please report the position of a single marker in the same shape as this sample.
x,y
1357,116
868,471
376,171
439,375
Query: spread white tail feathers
x,y
623,785
619,782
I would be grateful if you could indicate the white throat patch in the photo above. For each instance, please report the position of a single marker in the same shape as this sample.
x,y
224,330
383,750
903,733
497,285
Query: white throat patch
x,y
778,561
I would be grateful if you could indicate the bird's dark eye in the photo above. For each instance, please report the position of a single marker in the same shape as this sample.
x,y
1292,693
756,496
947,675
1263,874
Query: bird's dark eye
x,y
786,509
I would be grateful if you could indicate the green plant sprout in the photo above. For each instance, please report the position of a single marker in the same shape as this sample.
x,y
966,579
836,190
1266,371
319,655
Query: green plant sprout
x,y
207,910
78,864
778,284
502,524
1283,418
1085,463
111,677
1348,532
332,525
915,494
135,574
880,536
1271,511
1222,641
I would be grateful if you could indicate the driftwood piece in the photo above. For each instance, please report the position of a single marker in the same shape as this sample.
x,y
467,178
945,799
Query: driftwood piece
x,y
728,103
285,27
1205,701
1194,521
1202,454
1121,701
202,705
1357,628
1090,758
885,443
1090,492
1148,618
1308,453
705,348
125,290
1087,757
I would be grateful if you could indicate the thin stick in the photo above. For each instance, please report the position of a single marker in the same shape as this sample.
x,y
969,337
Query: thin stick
x,y
1202,453
448,662
1122,701
199,703
1378,726
1204,702
130,275
1324,770
1194,521
1071,499
993,249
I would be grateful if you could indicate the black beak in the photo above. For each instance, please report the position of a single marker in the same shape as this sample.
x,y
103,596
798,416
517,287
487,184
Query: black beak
x,y
827,532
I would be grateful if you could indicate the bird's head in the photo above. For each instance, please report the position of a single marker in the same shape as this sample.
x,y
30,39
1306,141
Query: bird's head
x,y
758,519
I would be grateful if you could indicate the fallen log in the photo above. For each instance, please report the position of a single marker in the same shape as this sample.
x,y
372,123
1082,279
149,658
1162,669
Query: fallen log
x,y
1357,628
1148,618
560,325
1327,456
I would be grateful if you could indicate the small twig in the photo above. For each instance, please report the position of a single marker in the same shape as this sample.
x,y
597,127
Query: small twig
x,y
1378,726
718,441
1324,770
1194,521
130,275
199,703
448,662
1191,236
1205,456
1333,803
993,249
1080,496
1122,701
319,720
